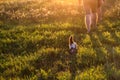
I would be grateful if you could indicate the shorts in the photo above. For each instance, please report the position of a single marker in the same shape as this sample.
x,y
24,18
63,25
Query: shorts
x,y
91,6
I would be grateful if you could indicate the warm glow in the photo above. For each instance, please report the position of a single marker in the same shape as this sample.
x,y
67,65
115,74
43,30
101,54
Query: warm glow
x,y
67,2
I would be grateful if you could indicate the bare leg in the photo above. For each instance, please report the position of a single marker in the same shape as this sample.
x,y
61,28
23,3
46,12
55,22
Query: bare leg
x,y
100,10
99,14
94,19
88,22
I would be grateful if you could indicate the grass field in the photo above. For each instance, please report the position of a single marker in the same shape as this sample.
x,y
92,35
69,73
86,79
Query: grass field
x,y
34,42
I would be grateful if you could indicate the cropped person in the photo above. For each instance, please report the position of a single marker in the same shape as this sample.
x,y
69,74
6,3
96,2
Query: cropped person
x,y
92,12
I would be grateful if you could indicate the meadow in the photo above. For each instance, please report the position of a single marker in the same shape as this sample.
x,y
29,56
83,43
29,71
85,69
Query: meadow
x,y
34,41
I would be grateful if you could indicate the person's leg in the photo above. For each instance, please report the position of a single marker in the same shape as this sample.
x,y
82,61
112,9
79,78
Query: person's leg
x,y
87,15
94,19
88,22
99,11
94,7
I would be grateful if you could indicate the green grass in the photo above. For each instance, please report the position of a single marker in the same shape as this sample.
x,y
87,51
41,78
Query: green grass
x,y
26,50
39,51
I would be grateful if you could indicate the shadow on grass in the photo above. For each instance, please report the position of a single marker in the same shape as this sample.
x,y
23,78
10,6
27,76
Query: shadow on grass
x,y
99,49
73,66
104,51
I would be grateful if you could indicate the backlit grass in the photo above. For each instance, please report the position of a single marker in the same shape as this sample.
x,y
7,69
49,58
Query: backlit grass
x,y
36,48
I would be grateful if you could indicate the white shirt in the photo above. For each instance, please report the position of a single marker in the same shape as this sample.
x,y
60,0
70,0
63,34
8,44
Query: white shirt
x,y
73,45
